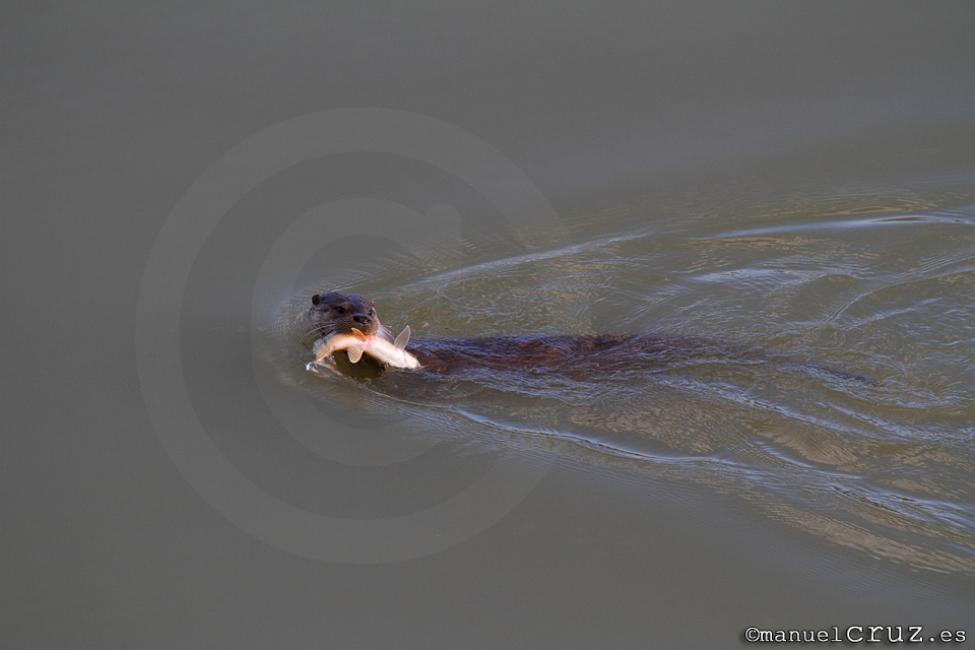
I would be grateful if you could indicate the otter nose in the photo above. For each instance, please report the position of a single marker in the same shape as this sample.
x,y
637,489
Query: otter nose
x,y
362,319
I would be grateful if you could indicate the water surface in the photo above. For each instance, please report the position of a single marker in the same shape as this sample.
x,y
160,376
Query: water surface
x,y
793,180
828,382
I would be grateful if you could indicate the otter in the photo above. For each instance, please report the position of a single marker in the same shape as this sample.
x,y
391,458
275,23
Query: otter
x,y
574,356
335,313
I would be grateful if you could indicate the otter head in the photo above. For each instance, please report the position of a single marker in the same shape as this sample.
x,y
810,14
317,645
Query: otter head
x,y
338,313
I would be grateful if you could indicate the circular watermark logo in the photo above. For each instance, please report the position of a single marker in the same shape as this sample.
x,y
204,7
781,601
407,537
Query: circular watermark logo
x,y
448,519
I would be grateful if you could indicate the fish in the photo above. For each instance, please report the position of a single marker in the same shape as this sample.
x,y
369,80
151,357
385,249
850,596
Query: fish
x,y
356,343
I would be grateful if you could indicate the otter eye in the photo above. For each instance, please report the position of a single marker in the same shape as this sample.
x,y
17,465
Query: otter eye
x,y
340,309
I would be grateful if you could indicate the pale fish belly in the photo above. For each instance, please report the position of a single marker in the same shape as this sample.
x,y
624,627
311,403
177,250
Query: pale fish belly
x,y
356,344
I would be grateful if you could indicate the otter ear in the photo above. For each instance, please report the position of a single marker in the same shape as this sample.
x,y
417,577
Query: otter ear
x,y
316,299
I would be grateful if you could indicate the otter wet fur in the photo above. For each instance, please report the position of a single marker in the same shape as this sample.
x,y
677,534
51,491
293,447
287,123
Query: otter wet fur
x,y
351,334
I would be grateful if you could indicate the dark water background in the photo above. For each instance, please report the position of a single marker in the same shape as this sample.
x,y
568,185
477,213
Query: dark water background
x,y
794,179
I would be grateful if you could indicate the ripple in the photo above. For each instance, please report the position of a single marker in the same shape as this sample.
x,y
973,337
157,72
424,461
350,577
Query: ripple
x,y
832,383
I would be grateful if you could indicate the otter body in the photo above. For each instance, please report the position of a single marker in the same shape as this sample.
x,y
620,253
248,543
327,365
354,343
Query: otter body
x,y
571,355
